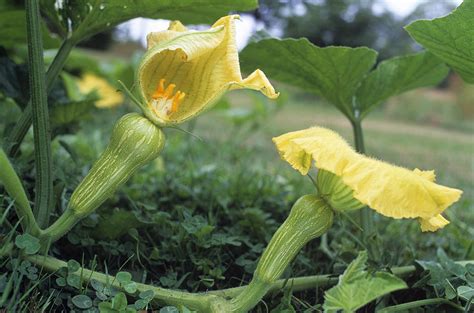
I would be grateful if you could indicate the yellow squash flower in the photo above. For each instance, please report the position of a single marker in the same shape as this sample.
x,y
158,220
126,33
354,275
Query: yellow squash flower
x,y
109,96
390,190
184,72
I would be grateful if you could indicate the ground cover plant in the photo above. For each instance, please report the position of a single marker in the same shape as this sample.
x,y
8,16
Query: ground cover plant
x,y
128,208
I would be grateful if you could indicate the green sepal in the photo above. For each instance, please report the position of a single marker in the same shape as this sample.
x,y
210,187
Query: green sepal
x,y
335,193
140,103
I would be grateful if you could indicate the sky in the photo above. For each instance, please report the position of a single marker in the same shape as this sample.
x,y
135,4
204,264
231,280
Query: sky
x,y
137,28
405,7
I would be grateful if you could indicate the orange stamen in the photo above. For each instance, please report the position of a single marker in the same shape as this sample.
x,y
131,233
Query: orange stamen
x,y
169,90
177,99
163,99
159,89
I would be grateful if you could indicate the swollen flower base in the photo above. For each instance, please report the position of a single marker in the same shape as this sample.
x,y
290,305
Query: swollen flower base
x,y
309,218
135,141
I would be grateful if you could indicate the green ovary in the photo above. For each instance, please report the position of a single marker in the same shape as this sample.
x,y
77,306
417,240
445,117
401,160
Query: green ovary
x,y
310,217
135,141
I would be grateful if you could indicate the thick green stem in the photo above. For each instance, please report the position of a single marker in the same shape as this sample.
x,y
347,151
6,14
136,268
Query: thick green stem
x,y
13,186
298,284
309,218
405,307
19,131
60,227
358,136
365,214
200,302
41,127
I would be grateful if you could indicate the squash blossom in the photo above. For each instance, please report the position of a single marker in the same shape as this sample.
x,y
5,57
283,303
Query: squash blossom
x,y
390,190
109,96
184,72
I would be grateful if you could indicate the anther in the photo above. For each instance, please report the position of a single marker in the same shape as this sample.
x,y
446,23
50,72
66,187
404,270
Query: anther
x,y
163,101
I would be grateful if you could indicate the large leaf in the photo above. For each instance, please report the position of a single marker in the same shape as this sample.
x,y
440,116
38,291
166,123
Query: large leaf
x,y
13,29
84,18
398,75
332,72
351,296
357,287
13,79
451,38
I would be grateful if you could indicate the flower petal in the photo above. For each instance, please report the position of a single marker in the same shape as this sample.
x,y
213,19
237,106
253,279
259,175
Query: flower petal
x,y
433,224
174,30
430,175
201,64
257,81
390,190
109,96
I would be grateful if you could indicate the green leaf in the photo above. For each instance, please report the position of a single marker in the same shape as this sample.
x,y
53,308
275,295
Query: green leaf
x,y
84,18
356,287
61,281
73,266
116,223
451,38
169,309
28,243
70,112
140,304
74,280
332,72
130,287
449,265
355,270
397,75
13,29
119,302
106,307
13,79
82,301
147,294
285,303
124,277
465,292
351,296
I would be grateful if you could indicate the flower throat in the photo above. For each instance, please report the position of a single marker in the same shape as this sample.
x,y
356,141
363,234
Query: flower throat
x,y
164,102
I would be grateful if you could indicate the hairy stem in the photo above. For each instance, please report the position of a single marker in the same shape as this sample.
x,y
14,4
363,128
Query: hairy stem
x,y
60,227
365,214
405,307
200,302
19,131
41,127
